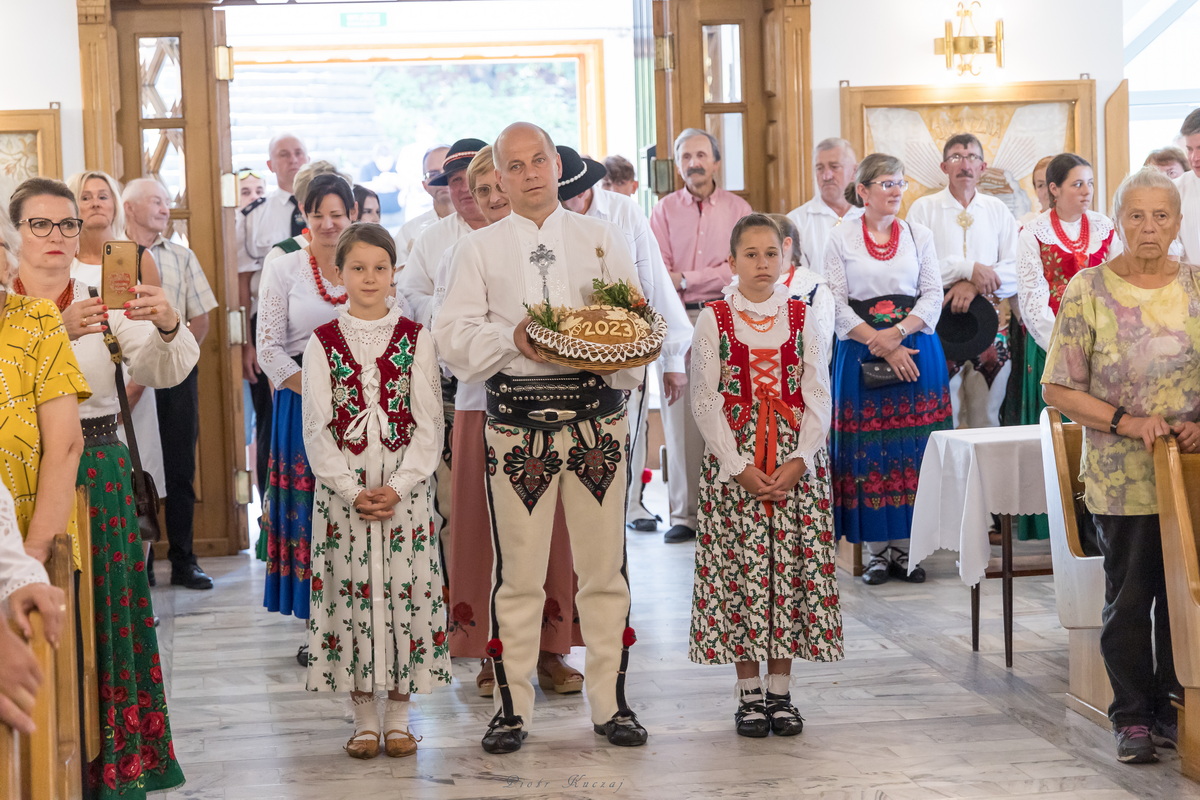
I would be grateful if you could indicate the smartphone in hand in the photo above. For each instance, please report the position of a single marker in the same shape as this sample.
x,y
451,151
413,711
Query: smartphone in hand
x,y
118,274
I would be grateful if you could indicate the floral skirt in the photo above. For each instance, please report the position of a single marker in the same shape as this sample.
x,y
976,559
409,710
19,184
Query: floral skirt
x,y
765,587
136,752
1038,526
287,516
879,438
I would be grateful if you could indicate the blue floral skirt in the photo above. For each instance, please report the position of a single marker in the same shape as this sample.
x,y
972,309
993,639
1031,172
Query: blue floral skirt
x,y
287,516
879,438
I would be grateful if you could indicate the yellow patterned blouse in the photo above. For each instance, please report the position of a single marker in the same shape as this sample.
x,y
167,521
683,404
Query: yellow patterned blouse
x,y
36,365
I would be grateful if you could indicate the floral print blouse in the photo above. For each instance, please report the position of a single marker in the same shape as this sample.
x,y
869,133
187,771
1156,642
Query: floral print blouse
x,y
1132,347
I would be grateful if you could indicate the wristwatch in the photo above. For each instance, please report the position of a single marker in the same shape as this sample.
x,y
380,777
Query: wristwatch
x,y
683,283
900,327
1120,412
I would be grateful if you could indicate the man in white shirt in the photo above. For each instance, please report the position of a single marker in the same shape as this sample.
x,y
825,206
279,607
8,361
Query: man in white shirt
x,y
431,166
1189,189
975,236
279,217
569,447
579,193
834,163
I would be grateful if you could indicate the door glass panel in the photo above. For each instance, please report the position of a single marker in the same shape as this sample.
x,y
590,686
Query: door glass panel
x,y
162,159
728,130
722,63
160,78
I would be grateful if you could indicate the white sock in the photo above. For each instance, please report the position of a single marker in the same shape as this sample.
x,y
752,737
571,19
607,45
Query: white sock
x,y
366,715
778,683
875,548
395,715
749,690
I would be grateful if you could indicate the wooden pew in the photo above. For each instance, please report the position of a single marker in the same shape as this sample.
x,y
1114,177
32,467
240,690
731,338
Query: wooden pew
x,y
1078,578
1178,479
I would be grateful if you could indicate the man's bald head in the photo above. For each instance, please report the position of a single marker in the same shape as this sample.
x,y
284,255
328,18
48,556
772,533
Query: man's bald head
x,y
520,129
528,168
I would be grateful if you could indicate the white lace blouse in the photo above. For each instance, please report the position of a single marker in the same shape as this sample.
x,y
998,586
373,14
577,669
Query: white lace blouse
x,y
853,274
289,309
367,340
805,284
708,405
1033,291
17,568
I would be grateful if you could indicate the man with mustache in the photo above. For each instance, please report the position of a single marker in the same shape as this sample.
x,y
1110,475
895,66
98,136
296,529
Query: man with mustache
x,y
834,163
692,226
975,236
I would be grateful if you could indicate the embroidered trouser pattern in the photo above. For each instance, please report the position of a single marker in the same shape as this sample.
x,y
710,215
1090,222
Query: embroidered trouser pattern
x,y
527,470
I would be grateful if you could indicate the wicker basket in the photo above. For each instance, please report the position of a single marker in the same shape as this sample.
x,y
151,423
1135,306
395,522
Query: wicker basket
x,y
567,351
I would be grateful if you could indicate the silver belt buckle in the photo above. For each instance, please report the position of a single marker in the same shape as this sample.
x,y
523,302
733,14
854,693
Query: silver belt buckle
x,y
552,415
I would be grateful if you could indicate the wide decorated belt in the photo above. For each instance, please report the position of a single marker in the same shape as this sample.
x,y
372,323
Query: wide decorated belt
x,y
549,402
99,431
883,311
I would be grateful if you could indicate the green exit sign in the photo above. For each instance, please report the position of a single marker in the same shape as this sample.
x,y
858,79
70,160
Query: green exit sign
x,y
364,19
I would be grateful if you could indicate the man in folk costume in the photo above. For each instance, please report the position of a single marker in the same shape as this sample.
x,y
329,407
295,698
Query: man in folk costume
x,y
550,432
975,236
579,193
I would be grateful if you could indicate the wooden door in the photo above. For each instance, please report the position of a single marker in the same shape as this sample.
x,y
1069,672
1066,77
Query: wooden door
x,y
173,125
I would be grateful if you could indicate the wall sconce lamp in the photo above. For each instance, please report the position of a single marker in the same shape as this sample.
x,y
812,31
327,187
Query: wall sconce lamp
x,y
967,43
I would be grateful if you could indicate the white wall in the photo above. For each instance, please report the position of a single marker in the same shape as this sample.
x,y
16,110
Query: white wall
x,y
887,43
39,59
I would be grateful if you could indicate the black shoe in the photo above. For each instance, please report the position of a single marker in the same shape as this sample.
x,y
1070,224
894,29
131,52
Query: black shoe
x,y
1165,734
302,656
900,571
643,525
504,738
623,731
785,719
150,579
877,572
191,577
756,728
1134,745
679,533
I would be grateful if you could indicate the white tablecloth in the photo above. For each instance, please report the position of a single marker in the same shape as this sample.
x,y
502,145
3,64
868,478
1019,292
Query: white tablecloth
x,y
966,476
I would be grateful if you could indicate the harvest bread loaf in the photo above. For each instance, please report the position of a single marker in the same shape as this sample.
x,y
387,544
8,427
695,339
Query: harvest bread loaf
x,y
605,324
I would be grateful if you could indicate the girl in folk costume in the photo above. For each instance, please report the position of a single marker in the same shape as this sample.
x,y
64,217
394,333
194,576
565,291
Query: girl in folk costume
x,y
890,385
765,584
373,433
299,292
1051,249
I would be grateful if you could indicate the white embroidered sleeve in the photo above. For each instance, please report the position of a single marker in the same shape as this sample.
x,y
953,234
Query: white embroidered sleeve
x,y
821,315
1033,292
273,323
845,320
929,280
424,451
17,568
818,398
415,281
665,300
708,406
326,459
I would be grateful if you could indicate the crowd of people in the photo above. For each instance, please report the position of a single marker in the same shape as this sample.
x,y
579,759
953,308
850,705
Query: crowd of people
x,y
806,361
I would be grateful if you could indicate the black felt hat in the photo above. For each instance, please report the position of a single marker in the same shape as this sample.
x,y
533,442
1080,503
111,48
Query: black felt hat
x,y
968,334
457,159
579,173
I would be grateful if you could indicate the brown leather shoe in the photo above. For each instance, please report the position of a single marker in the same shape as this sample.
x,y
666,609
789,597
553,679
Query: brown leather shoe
x,y
399,744
361,747
561,677
485,681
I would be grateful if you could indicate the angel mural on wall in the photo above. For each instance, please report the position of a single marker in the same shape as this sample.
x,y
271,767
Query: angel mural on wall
x,y
1014,137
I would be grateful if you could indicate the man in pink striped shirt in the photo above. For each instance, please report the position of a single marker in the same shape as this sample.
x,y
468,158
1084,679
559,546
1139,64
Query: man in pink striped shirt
x,y
692,226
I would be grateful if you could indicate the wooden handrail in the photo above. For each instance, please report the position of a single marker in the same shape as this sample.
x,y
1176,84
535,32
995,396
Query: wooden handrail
x,y
1068,448
90,683
1178,478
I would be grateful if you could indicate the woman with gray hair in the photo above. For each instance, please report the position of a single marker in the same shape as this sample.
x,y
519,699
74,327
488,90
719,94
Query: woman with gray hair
x,y
1124,361
890,385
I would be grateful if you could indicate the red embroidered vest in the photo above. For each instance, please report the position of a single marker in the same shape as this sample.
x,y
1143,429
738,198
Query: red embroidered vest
x,y
1060,266
395,383
737,384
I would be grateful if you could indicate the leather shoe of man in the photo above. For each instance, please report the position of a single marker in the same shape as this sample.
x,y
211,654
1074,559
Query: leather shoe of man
x,y
501,738
679,533
622,731
191,577
642,525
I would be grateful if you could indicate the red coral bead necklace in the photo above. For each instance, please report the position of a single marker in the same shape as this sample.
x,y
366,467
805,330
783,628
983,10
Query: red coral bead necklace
x,y
63,300
1077,246
886,251
320,282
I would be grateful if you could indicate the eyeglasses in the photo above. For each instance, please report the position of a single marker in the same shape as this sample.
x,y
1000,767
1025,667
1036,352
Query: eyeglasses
x,y
970,158
431,174
41,227
483,191
888,185
242,174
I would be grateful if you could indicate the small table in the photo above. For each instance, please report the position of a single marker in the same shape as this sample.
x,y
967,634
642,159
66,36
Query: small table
x,y
966,476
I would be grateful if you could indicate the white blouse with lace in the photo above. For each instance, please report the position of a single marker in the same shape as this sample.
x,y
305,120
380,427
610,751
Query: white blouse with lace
x,y
708,405
1033,291
804,284
17,568
289,309
403,470
853,274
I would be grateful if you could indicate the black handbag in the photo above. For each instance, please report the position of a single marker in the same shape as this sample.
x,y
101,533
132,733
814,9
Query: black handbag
x,y
145,493
878,374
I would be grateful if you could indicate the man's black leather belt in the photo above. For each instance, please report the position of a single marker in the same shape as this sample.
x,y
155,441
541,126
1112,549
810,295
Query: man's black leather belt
x,y
696,306
99,431
548,402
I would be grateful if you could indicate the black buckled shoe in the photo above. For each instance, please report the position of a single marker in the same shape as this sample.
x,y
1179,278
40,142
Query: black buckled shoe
x,y
679,533
191,577
504,735
757,727
302,656
877,571
623,731
898,568
785,719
